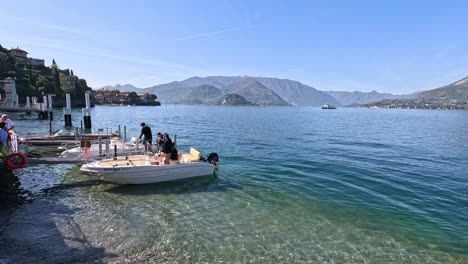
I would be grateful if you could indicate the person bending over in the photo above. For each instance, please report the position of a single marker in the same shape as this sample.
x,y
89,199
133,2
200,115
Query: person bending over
x,y
147,136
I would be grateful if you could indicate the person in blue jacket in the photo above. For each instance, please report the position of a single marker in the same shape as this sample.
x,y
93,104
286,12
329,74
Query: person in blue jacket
x,y
3,140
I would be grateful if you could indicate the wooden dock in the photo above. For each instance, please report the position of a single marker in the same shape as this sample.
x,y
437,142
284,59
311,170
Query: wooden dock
x,y
4,108
54,160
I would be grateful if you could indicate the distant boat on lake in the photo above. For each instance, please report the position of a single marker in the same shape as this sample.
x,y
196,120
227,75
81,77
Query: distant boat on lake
x,y
327,106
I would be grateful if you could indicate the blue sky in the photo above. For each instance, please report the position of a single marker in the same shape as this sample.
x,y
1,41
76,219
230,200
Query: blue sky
x,y
388,46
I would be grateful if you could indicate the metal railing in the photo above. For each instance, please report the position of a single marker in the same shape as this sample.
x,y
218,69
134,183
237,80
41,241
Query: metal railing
x,y
35,106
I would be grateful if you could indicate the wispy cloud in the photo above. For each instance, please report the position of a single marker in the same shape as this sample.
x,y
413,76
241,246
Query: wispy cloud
x,y
45,25
74,48
219,32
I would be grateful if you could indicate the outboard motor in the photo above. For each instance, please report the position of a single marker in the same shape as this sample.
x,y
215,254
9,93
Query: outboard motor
x,y
212,158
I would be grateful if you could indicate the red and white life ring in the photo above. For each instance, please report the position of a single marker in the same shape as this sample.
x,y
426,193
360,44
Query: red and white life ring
x,y
12,161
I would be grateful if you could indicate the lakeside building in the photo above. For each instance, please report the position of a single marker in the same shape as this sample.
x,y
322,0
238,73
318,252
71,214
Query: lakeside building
x,y
107,97
35,62
21,57
117,97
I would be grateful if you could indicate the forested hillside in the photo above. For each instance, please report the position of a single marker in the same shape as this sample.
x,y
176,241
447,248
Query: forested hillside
x,y
38,80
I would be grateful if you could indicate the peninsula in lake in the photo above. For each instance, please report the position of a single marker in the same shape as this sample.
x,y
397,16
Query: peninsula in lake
x,y
452,96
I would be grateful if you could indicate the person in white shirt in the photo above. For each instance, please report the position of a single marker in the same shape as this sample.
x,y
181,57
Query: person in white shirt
x,y
9,124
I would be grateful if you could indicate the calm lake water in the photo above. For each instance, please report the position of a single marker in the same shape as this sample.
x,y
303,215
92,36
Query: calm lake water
x,y
296,185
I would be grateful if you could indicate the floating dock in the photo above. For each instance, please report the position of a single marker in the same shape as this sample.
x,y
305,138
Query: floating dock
x,y
55,160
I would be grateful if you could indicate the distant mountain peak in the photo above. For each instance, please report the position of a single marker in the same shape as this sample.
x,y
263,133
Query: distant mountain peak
x,y
358,98
122,88
124,85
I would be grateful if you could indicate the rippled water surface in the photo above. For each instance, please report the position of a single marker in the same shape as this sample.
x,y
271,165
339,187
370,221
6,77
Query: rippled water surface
x,y
296,185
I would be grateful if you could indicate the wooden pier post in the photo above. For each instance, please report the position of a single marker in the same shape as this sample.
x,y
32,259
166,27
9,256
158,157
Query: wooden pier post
x,y
87,113
67,111
100,146
43,115
107,146
28,105
77,133
50,107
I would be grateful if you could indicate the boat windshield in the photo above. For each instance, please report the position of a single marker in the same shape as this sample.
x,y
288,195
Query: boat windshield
x,y
62,132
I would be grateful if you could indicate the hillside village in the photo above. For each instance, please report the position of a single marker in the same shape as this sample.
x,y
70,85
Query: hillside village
x,y
439,104
116,97
30,77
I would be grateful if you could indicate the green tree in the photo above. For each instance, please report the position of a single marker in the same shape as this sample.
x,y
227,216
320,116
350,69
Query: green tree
x,y
56,80
7,64
35,80
152,97
44,85
133,98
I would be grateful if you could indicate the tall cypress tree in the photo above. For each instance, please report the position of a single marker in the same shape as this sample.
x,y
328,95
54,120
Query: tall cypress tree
x,y
56,79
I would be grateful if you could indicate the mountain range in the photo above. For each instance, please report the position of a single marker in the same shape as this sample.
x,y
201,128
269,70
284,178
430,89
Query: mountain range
x,y
255,91
452,96
454,91
359,98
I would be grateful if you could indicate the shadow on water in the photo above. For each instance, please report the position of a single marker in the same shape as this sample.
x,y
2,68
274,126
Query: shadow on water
x,y
9,188
11,193
72,185
209,183
42,231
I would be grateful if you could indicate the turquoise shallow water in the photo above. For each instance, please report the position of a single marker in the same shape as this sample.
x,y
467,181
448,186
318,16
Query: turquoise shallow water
x,y
296,185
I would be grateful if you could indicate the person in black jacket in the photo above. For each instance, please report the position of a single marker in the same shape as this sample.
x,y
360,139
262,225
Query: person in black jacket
x,y
167,148
159,142
147,135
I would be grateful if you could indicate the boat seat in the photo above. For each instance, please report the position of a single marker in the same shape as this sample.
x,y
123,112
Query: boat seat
x,y
193,155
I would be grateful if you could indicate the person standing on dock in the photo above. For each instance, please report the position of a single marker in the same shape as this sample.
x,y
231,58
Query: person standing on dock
x,y
147,135
9,124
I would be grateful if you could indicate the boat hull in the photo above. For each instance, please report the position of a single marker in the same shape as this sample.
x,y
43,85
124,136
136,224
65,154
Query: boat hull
x,y
144,174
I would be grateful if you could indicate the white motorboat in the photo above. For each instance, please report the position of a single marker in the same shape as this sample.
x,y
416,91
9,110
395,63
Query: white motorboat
x,y
328,106
142,169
